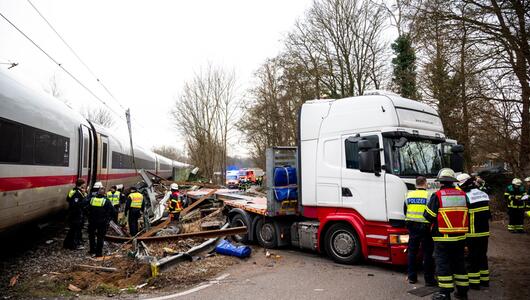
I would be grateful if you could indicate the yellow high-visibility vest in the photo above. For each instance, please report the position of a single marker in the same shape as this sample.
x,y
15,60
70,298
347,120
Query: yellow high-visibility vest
x,y
416,204
114,197
136,200
97,201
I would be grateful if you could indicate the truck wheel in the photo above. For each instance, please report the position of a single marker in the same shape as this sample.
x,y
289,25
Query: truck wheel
x,y
238,221
266,234
342,244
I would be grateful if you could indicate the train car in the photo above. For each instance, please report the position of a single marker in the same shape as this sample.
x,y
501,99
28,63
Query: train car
x,y
45,146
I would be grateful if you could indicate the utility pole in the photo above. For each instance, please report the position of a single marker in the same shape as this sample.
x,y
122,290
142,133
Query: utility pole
x,y
128,116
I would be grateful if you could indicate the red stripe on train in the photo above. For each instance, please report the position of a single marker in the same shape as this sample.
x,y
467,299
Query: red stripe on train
x,y
21,183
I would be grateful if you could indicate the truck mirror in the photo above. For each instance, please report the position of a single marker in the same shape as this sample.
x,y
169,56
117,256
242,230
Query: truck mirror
x,y
457,158
366,161
365,145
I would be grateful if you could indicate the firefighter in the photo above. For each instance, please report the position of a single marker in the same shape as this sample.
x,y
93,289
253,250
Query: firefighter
x,y
134,208
514,198
76,203
419,232
95,189
477,237
447,210
100,212
114,196
175,203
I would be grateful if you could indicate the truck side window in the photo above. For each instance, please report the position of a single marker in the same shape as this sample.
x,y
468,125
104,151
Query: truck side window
x,y
352,151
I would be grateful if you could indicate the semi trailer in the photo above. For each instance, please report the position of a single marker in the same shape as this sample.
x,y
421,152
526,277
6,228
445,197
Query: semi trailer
x,y
355,160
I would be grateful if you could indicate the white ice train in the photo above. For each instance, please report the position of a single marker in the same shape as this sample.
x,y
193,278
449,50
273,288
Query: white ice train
x,y
45,146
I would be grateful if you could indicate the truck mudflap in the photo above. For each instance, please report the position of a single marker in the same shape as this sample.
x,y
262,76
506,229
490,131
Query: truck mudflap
x,y
380,241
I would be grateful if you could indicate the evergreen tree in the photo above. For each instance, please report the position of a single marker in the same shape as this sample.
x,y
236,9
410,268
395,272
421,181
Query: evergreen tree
x,y
404,65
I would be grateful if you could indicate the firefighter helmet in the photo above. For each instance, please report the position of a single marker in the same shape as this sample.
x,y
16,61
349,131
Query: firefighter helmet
x,y
174,186
98,185
446,175
517,181
462,178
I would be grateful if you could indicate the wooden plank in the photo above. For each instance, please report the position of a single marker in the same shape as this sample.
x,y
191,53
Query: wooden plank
x,y
196,203
97,268
157,228
202,234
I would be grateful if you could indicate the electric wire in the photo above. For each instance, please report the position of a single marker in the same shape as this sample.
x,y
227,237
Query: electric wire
x,y
62,67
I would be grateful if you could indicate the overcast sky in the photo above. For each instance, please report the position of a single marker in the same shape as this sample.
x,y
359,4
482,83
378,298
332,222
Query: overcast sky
x,y
143,51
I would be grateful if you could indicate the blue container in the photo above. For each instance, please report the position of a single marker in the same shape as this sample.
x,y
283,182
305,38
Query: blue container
x,y
287,193
226,248
284,176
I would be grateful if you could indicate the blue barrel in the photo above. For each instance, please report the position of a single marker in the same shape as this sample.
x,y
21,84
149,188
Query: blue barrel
x,y
284,176
285,193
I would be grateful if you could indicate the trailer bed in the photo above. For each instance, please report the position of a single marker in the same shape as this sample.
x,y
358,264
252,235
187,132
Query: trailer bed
x,y
234,198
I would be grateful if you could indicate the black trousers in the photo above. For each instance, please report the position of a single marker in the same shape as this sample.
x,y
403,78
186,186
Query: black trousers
x,y
477,261
73,238
420,234
96,237
451,267
116,212
516,219
134,215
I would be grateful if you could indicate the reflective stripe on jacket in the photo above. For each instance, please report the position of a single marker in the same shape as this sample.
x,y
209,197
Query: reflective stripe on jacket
x,y
136,200
514,195
416,203
479,213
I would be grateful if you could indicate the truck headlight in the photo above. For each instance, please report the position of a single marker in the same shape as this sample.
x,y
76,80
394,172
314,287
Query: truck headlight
x,y
397,239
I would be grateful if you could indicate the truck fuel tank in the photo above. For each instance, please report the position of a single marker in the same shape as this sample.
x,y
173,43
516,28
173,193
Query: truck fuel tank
x,y
305,235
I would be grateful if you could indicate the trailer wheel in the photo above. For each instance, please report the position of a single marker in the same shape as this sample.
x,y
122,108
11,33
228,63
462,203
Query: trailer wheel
x,y
266,234
238,221
343,244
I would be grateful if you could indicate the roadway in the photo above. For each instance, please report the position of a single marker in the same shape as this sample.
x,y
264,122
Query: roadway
x,y
302,275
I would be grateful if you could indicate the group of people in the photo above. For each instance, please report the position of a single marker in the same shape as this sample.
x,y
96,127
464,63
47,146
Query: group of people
x,y
99,207
444,223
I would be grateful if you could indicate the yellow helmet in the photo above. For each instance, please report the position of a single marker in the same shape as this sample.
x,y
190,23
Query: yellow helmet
x,y
446,175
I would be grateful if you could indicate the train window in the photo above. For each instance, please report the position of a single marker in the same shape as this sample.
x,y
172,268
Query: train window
x,y
11,147
104,156
51,149
85,152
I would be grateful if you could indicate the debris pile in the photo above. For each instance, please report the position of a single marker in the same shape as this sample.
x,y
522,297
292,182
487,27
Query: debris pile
x,y
165,254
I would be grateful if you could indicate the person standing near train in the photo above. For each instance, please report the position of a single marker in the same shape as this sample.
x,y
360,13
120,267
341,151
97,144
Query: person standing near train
x,y
114,196
100,212
76,203
134,208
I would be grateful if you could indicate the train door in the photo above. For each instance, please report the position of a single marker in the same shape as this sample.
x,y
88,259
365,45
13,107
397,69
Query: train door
x,y
104,159
85,154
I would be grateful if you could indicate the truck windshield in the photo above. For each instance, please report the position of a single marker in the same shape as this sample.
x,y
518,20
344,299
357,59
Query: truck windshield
x,y
415,157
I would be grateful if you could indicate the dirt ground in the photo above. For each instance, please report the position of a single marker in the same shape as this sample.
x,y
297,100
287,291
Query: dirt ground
x,y
48,270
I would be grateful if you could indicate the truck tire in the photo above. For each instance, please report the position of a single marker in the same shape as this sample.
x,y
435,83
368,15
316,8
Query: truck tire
x,y
238,221
266,234
342,244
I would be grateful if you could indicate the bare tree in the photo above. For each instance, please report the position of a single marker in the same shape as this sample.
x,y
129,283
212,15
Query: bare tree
x,y
170,152
99,115
54,89
205,114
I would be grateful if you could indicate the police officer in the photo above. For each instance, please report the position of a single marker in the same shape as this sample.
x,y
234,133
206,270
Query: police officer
x,y
419,232
114,196
477,237
76,204
513,196
100,212
134,208
175,203
447,210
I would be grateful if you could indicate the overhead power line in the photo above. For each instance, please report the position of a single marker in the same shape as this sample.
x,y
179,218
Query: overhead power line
x,y
60,66
75,53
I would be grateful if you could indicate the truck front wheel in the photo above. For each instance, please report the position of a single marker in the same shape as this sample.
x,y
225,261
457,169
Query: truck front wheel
x,y
343,244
